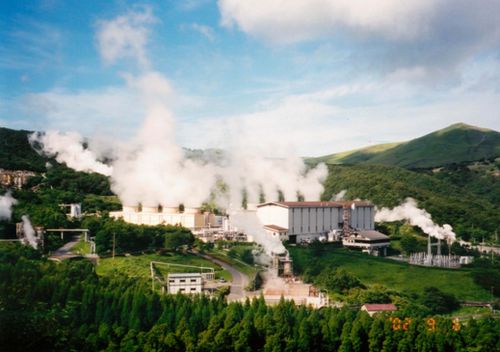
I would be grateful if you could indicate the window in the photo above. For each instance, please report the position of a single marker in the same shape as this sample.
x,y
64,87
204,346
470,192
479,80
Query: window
x,y
193,288
171,281
182,280
193,280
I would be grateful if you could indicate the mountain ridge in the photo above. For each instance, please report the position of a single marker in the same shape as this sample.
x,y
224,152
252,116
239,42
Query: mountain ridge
x,y
456,143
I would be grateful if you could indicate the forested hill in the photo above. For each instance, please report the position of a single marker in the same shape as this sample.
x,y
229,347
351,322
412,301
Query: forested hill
x,y
16,152
455,144
467,198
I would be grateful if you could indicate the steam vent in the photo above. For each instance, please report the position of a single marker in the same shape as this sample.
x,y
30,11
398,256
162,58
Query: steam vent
x,y
191,218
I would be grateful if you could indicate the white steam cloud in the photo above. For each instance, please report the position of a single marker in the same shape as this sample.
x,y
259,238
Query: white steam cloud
x,y
29,232
339,196
248,222
6,203
152,168
68,148
416,217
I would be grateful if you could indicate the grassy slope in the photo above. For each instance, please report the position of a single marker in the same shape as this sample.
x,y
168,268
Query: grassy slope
x,y
353,156
395,275
138,265
454,144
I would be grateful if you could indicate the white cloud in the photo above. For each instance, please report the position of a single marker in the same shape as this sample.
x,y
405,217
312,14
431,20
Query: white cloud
x,y
206,31
125,36
289,21
109,110
321,122
439,35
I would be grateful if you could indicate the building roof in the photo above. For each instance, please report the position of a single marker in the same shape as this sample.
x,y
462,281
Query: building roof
x,y
318,204
174,275
372,235
380,307
275,228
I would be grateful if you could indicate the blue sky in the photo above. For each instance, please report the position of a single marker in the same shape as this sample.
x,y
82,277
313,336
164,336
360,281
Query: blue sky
x,y
323,76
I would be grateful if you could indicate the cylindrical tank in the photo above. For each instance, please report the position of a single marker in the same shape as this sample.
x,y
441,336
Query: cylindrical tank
x,y
170,210
146,209
130,208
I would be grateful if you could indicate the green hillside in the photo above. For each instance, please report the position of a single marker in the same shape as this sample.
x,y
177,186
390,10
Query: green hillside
x,y
472,215
454,144
16,152
355,156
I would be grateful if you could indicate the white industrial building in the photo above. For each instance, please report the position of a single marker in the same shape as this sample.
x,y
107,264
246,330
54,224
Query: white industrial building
x,y
191,218
185,283
298,222
306,221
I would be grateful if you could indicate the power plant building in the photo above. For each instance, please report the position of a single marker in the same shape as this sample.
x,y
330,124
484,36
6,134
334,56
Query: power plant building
x,y
307,221
191,218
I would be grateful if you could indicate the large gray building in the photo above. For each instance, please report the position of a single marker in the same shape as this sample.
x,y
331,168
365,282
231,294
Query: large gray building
x,y
307,221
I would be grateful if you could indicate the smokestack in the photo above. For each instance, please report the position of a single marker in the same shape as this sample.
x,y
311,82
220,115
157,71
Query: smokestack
x,y
346,218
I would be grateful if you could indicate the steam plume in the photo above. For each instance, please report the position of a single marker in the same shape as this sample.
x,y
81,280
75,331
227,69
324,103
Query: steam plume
x,y
29,232
248,222
68,148
6,203
417,217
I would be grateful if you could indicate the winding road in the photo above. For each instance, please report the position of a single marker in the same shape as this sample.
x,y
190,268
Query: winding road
x,y
65,251
239,282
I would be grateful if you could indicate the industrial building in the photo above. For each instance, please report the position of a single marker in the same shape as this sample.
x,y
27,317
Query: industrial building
x,y
303,222
307,221
191,218
184,283
369,241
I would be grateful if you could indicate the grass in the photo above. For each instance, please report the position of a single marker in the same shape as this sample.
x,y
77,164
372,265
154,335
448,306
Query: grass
x,y
245,268
81,248
395,275
138,265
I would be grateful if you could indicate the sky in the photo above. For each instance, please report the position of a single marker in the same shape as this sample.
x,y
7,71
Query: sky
x,y
320,76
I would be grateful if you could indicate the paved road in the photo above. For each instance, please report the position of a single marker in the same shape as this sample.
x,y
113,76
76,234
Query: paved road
x,y
239,282
65,251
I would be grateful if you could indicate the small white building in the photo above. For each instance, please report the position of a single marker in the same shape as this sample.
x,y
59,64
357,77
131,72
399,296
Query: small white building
x,y
307,221
185,283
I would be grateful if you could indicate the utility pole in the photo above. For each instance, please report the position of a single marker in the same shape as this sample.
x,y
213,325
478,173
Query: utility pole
x,y
114,243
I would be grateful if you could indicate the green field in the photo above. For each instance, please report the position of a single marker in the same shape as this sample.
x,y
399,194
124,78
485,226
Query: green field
x,y
139,265
81,247
393,274
247,269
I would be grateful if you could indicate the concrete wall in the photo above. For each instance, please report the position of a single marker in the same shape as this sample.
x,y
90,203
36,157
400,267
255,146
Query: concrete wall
x,y
317,221
362,218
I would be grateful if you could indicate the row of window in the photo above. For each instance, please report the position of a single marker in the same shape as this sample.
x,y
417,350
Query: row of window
x,y
181,280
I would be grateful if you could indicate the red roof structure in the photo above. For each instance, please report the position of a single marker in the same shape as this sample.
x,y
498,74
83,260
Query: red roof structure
x,y
379,307
318,204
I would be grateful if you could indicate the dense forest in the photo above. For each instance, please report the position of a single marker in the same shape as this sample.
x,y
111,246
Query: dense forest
x,y
47,306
